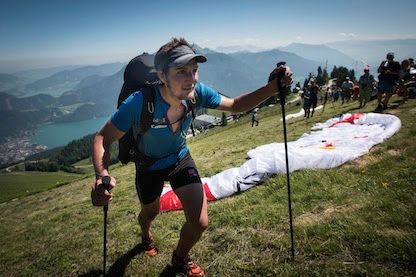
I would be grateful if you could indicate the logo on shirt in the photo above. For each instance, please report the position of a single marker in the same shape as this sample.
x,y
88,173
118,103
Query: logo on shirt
x,y
158,126
160,120
159,123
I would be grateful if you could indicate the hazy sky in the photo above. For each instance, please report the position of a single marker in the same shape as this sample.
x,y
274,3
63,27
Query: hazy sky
x,y
46,33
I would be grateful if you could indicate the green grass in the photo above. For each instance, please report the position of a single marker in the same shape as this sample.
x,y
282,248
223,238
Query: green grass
x,y
354,220
18,184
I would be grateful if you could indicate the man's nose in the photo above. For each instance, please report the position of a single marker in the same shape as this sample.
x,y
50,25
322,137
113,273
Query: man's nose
x,y
192,76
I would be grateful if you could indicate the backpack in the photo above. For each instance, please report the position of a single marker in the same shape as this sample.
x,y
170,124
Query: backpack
x,y
140,75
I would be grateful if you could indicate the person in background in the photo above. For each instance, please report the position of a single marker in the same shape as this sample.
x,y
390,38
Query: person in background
x,y
306,98
355,91
366,83
404,79
346,90
336,92
254,117
314,91
388,76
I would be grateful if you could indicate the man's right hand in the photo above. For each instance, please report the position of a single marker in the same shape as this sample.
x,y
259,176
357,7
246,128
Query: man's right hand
x,y
99,194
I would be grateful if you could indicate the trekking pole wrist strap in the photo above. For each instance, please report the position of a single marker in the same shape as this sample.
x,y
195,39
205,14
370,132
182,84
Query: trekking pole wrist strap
x,y
99,176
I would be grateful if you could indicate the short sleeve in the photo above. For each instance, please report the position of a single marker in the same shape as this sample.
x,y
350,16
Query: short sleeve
x,y
128,113
210,98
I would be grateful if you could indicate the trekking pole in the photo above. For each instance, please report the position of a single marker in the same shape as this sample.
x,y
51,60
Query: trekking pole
x,y
106,183
282,97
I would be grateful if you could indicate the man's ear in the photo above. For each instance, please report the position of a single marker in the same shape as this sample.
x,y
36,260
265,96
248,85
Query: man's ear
x,y
162,76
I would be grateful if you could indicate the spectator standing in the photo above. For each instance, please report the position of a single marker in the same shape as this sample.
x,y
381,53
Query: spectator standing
x,y
388,76
306,97
336,93
404,78
314,91
346,89
254,118
366,83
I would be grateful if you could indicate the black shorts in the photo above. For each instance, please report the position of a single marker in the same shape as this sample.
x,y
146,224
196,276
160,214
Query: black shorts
x,y
149,184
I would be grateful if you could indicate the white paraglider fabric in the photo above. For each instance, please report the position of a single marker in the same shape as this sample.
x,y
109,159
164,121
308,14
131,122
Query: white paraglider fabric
x,y
330,144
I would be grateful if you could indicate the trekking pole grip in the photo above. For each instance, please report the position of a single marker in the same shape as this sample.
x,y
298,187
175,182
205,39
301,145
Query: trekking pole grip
x,y
106,180
282,88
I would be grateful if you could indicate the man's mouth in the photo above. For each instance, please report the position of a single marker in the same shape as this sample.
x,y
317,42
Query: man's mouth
x,y
189,89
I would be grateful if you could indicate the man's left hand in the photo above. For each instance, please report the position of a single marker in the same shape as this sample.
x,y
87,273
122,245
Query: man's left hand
x,y
280,77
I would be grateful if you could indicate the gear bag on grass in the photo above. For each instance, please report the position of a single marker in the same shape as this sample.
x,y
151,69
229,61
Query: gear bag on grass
x,y
140,75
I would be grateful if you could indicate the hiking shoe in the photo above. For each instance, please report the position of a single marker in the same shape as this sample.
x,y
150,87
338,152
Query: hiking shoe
x,y
187,266
148,244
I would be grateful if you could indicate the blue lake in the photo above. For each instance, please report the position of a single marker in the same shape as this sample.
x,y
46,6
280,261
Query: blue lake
x,y
54,135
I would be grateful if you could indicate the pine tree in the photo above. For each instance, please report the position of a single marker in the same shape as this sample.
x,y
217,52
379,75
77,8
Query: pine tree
x,y
325,76
340,73
352,75
334,72
319,77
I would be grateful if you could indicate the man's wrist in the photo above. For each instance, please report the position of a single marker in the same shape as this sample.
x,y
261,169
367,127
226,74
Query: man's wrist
x,y
99,175
272,87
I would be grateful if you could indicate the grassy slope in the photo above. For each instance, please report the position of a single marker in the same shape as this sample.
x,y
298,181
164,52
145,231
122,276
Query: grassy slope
x,y
357,219
18,184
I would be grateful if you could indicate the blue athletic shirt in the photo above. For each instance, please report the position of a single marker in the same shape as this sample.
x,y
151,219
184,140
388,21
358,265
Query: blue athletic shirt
x,y
160,142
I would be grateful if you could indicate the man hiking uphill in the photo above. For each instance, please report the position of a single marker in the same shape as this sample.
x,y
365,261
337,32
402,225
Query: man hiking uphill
x,y
165,145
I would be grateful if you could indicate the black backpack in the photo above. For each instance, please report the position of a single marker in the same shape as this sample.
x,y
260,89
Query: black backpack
x,y
140,75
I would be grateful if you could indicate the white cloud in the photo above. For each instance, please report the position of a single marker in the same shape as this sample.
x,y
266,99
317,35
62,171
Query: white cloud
x,y
347,35
298,38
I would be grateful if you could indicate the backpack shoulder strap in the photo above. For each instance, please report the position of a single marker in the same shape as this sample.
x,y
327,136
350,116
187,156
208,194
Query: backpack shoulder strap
x,y
192,104
148,108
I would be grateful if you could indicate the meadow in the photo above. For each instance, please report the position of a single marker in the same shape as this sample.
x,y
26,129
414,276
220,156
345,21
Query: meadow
x,y
354,220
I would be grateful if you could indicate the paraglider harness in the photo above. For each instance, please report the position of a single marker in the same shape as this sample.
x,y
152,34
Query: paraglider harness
x,y
140,75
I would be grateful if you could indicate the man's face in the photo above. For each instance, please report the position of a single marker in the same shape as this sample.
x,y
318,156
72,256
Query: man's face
x,y
390,57
181,81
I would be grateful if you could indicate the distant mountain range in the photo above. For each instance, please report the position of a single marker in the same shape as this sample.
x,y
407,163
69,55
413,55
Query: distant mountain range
x,y
11,84
12,103
84,92
239,48
66,80
8,78
323,54
14,83
241,72
262,63
373,52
